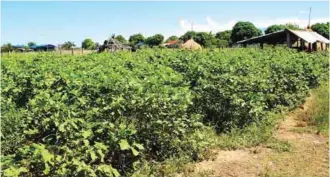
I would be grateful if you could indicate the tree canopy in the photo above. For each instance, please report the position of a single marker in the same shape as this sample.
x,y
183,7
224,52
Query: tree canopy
x,y
204,39
322,29
274,28
244,30
7,47
188,35
171,38
97,45
223,36
136,38
292,26
88,44
68,45
121,39
155,40
31,44
221,43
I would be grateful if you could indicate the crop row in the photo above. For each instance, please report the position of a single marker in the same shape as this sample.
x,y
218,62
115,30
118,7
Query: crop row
x,y
100,114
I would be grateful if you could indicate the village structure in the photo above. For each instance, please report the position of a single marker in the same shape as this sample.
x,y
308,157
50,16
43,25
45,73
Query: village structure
x,y
299,39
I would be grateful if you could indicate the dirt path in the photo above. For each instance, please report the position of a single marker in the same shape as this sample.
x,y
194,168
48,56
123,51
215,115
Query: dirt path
x,y
308,156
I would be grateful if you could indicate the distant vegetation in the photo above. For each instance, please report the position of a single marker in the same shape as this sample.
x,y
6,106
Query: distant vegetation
x,y
240,31
321,28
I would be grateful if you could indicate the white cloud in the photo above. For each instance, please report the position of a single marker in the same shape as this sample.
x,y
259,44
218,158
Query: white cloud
x,y
209,25
215,26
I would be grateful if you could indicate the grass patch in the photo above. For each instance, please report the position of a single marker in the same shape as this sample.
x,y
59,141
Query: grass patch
x,y
278,145
320,116
303,130
317,113
250,136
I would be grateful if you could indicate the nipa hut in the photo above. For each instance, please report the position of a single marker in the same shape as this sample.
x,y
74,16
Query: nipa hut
x,y
192,45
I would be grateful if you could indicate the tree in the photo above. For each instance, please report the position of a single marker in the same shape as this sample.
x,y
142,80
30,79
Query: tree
x,y
188,35
31,44
322,29
88,44
204,39
292,26
171,38
223,36
274,28
7,47
244,30
136,38
155,40
121,39
96,45
221,43
68,45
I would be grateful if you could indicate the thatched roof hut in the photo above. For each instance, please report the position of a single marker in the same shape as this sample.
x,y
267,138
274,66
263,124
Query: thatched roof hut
x,y
112,44
191,44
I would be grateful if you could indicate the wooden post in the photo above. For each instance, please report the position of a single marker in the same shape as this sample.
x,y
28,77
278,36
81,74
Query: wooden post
x,y
310,47
302,45
288,39
262,45
244,45
82,50
72,51
322,46
315,46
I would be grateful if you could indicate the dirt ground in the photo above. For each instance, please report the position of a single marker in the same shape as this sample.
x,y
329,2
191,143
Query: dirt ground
x,y
308,156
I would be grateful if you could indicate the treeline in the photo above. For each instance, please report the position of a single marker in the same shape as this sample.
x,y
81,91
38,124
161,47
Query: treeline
x,y
240,31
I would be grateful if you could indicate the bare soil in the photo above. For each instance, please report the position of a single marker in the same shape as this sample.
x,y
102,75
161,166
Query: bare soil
x,y
308,156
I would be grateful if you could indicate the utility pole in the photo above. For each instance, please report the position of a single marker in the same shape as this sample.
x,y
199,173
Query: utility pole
x,y
309,19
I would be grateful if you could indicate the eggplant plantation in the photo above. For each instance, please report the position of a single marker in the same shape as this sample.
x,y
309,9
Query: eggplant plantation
x,y
102,114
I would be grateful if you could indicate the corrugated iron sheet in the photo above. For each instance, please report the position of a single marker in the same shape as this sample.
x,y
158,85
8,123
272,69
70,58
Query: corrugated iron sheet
x,y
310,36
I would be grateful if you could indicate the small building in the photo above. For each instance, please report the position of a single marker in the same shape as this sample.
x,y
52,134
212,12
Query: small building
x,y
173,44
113,45
140,44
19,48
43,47
299,39
192,45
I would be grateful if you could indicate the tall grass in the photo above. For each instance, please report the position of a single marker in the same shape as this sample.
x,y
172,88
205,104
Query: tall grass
x,y
320,108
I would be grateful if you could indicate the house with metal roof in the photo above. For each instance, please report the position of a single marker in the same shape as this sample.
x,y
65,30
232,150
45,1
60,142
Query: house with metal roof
x,y
300,39
43,47
20,48
173,44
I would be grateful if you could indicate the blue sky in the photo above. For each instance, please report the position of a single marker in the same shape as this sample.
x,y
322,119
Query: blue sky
x,y
57,22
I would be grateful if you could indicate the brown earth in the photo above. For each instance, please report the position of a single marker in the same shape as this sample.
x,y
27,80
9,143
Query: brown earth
x,y
308,156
